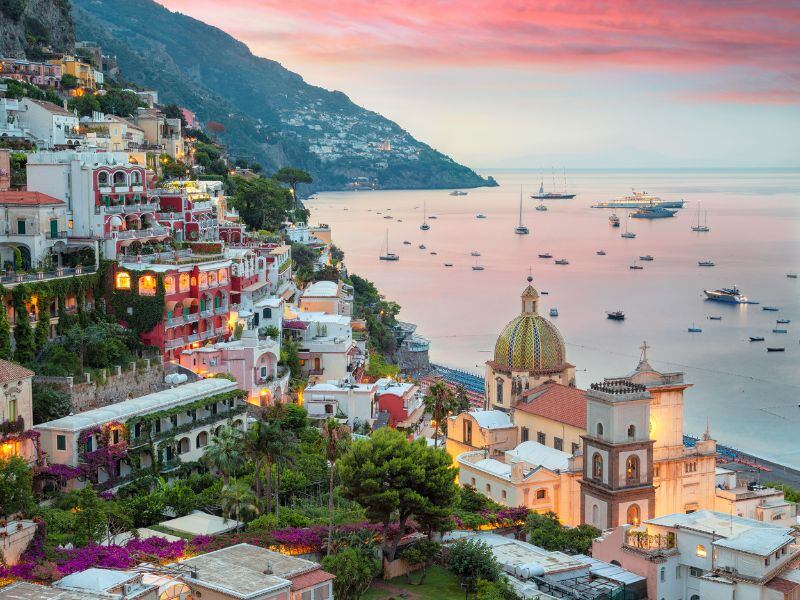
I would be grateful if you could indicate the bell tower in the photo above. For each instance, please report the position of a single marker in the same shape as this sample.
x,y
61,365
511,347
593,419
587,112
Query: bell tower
x,y
530,299
617,483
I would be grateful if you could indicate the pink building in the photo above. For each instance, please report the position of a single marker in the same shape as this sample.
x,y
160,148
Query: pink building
x,y
37,73
403,402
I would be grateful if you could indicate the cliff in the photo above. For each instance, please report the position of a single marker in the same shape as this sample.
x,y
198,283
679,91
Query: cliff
x,y
29,27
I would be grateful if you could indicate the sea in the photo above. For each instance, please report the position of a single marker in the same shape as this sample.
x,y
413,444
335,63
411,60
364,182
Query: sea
x,y
749,398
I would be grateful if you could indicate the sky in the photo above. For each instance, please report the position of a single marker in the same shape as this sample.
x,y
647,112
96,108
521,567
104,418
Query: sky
x,y
532,84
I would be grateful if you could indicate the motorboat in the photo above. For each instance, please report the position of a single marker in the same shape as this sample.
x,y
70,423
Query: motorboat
x,y
561,261
601,253
646,258
544,292
546,255
640,200
474,253
421,246
480,216
433,217
715,318
635,267
705,263
770,308
541,208
783,321
477,268
406,243
730,295
458,193
653,212
614,220
554,312
448,264
779,331
792,275
756,338
388,217
773,349
434,253
694,329
616,315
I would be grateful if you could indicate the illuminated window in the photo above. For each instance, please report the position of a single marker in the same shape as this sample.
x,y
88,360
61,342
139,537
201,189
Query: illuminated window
x,y
9,449
632,469
147,285
183,284
222,276
169,284
123,281
701,551
633,514
12,409
203,279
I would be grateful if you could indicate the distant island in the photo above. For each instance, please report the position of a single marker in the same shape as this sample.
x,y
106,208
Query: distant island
x,y
267,112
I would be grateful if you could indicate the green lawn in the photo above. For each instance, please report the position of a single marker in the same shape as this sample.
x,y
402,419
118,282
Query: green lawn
x,y
439,584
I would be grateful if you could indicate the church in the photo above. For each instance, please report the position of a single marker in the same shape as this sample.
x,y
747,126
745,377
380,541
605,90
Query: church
x,y
609,455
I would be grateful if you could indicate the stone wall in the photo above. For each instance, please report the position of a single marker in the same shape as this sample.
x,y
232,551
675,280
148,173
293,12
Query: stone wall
x,y
413,362
118,385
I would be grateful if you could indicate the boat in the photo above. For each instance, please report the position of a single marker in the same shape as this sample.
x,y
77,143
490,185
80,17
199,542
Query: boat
x,y
448,264
388,217
636,267
406,243
421,246
542,195
774,349
694,329
458,193
434,253
646,258
715,318
390,256
705,263
601,253
561,261
770,308
474,253
756,338
704,227
434,217
616,315
546,255
627,234
544,293
653,212
553,312
480,216
541,208
477,267
399,220
792,275
730,295
779,331
640,200
783,321
614,220
424,226
521,229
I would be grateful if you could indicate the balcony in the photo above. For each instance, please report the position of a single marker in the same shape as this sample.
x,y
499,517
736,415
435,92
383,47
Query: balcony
x,y
191,317
208,333
45,275
115,209
143,207
104,189
122,189
649,542
174,343
221,310
137,188
142,233
58,235
206,313
192,337
174,321
197,206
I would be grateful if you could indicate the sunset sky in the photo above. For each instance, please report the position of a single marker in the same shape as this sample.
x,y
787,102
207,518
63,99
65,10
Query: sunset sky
x,y
501,83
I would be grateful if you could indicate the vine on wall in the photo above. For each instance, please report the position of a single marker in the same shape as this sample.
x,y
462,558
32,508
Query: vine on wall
x,y
140,313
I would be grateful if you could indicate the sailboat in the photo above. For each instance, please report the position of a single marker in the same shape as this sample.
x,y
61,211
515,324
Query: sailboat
x,y
704,226
388,255
424,226
521,229
542,195
626,233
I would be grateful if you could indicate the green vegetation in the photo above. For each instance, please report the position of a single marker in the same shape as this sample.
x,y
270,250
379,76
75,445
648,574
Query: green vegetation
x,y
354,568
113,102
21,89
292,177
440,584
16,486
472,561
546,531
380,315
262,203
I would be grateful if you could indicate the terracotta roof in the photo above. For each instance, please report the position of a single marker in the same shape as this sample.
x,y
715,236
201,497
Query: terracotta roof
x,y
785,586
10,371
16,198
557,402
307,580
53,108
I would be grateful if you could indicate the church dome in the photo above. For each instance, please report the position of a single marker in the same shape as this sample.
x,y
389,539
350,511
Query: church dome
x,y
530,342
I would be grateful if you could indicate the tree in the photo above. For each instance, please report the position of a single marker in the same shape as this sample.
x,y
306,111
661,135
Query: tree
x,y
291,177
49,403
224,452
216,128
120,103
90,516
262,203
69,82
25,350
5,335
236,499
392,478
439,402
173,111
335,438
41,333
471,560
16,486
354,569
545,530
421,554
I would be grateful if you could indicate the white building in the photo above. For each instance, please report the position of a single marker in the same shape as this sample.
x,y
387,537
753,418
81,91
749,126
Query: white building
x,y
50,125
356,402
331,297
33,223
327,349
706,555
191,415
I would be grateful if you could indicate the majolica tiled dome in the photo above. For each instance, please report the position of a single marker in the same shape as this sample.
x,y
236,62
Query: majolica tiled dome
x,y
530,341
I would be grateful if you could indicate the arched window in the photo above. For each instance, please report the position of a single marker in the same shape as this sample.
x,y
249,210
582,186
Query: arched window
x,y
634,517
102,178
201,439
120,178
169,284
541,494
599,430
597,466
631,432
499,391
147,285
616,563
632,469
183,285
136,177
123,281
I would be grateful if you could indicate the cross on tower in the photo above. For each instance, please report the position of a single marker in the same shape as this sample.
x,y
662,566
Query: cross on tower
x,y
644,348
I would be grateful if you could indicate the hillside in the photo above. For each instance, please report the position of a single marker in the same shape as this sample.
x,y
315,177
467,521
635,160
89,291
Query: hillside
x,y
269,112
27,26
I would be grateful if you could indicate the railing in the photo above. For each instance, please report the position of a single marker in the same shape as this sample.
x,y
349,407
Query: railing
x,y
44,275
169,215
141,233
148,258
208,333
121,189
58,235
206,313
174,343
221,310
114,209
144,207
191,317
641,540
192,337
175,321
201,205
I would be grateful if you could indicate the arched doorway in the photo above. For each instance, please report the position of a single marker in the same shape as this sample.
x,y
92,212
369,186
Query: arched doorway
x,y
634,516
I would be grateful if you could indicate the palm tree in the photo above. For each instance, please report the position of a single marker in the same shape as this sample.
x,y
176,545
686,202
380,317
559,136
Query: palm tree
x,y
334,438
256,446
439,402
224,452
237,498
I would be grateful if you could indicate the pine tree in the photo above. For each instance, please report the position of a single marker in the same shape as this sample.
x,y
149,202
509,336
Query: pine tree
x,y
25,350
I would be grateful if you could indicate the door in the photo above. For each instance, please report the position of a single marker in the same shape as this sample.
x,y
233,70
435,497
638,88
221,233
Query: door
x,y
53,228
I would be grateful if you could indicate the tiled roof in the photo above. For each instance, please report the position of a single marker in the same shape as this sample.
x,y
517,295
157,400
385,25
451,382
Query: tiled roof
x,y
10,371
307,580
557,402
17,198
781,585
53,108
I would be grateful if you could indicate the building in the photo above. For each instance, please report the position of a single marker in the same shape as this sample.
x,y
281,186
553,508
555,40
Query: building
x,y
159,130
33,223
108,583
330,297
252,360
528,352
41,74
246,571
354,401
753,501
552,414
188,211
16,411
706,554
196,301
84,72
326,347
485,430
110,133
402,401
10,128
164,429
50,126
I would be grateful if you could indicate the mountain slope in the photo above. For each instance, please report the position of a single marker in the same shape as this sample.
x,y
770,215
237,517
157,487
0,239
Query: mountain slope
x,y
269,112
27,27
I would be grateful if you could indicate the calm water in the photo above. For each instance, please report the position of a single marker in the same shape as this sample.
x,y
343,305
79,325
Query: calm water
x,y
749,396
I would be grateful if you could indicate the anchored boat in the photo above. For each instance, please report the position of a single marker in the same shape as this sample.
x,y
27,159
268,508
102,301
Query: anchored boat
x,y
616,315
730,295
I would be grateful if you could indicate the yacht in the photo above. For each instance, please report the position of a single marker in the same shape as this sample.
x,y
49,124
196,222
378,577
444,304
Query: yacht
x,y
542,195
424,226
480,216
653,212
756,338
627,234
546,255
474,253
646,258
616,315
561,261
705,263
601,253
770,308
773,349
458,193
704,227
640,200
730,295
715,318
779,331
694,329
554,312
614,220
386,255
541,208
521,229
792,275
477,267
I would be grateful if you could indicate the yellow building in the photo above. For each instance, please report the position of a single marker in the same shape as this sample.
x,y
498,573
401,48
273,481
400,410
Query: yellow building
x,y
552,414
487,430
83,72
